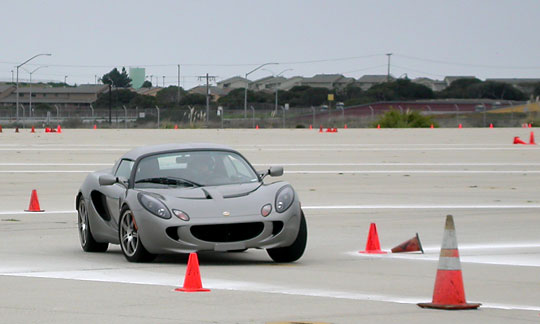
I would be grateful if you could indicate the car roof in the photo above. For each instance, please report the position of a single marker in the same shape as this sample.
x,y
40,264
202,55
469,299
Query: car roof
x,y
151,149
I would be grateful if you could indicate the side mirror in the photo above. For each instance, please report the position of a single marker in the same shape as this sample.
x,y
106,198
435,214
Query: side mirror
x,y
107,180
275,171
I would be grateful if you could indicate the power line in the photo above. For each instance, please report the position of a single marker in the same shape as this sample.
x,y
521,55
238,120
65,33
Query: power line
x,y
466,64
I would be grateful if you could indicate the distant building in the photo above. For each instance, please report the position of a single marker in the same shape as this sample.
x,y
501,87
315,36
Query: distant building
x,y
235,82
266,83
149,91
329,81
289,83
369,80
215,92
137,76
68,97
526,85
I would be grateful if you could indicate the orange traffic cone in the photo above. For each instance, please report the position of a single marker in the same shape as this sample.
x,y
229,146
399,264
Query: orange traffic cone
x,y
334,130
518,140
59,129
16,129
373,246
329,130
490,125
310,126
431,126
257,126
460,126
175,126
345,126
0,128
449,292
192,280
320,129
378,126
33,130
34,203
95,126
531,139
530,125
411,245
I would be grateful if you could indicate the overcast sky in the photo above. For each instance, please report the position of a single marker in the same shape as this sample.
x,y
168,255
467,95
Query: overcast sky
x,y
430,38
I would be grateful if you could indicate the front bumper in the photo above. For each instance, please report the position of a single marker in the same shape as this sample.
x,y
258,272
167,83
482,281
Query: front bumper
x,y
162,236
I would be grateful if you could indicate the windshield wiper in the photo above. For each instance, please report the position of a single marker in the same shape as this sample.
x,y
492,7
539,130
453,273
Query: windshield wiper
x,y
169,181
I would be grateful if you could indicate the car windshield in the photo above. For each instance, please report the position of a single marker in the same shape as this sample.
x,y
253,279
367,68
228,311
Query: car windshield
x,y
193,169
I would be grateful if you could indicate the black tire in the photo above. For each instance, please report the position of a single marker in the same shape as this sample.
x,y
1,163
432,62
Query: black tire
x,y
88,243
132,247
296,250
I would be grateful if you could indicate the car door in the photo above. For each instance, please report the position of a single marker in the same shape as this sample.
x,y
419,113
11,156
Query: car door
x,y
116,191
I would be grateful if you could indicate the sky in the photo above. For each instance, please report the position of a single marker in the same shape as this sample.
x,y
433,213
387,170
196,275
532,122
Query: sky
x,y
434,38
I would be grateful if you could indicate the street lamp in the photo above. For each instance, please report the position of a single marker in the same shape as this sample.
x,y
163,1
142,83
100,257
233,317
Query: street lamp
x,y
39,67
277,89
246,88
17,86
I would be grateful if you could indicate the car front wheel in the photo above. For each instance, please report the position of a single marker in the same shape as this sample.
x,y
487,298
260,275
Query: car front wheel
x,y
88,243
296,250
130,242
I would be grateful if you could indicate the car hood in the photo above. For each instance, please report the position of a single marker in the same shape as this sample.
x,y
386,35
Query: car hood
x,y
208,192
237,200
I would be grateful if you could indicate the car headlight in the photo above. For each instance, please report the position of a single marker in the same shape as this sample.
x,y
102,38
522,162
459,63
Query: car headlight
x,y
154,205
284,199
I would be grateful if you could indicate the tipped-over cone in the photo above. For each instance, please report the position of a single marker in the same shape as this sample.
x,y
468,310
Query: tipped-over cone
x,y
411,245
373,246
34,203
449,292
192,280
518,140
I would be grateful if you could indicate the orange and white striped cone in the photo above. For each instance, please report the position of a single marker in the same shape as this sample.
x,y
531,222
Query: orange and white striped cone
x,y
449,292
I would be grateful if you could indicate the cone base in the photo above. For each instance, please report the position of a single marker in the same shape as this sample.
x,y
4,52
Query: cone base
x,y
34,211
449,307
373,252
192,289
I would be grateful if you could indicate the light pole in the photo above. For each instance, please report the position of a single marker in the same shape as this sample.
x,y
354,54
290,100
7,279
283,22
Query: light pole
x,y
277,89
30,103
17,86
247,84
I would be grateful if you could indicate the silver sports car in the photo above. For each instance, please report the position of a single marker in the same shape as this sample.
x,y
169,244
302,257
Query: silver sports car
x,y
192,197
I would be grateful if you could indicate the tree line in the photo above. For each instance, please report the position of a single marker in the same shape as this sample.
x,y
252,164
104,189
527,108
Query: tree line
x,y
305,96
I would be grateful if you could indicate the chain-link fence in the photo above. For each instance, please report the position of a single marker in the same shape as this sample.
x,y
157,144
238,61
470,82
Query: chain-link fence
x,y
261,115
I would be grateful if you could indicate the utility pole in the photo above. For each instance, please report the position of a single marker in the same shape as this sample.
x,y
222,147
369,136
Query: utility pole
x,y
178,96
208,78
388,73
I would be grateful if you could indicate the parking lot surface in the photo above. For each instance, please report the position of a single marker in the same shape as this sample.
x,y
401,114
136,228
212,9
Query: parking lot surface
x,y
406,181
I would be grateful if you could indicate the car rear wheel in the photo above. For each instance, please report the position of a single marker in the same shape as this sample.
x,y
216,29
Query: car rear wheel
x,y
130,242
88,243
296,250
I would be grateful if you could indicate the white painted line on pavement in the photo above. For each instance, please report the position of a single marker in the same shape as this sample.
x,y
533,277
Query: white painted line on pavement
x,y
46,171
131,276
19,212
531,206
413,171
333,171
295,164
308,207
56,164
397,164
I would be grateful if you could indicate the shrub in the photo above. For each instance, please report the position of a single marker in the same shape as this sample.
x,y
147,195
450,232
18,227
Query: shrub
x,y
409,119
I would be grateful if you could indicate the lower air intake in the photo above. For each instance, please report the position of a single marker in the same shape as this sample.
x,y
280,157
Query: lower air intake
x,y
227,232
